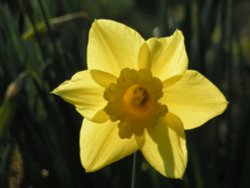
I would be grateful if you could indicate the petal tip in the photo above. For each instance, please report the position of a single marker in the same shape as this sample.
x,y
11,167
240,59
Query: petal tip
x,y
54,91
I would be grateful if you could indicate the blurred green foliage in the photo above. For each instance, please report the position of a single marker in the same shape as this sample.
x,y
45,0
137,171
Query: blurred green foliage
x,y
42,43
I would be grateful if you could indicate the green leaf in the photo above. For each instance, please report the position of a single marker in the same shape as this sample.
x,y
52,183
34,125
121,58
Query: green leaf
x,y
55,23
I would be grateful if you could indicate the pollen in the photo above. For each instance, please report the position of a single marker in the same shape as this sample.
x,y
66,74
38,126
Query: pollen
x,y
133,102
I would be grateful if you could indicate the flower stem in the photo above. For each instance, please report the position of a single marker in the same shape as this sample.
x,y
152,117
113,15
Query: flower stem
x,y
135,181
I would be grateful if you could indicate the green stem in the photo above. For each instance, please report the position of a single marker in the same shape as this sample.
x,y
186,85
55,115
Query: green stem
x,y
135,171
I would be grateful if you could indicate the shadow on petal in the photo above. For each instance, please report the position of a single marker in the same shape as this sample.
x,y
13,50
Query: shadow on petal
x,y
165,147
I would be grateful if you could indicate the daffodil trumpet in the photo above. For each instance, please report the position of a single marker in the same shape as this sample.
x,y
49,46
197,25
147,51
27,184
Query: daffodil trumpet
x,y
138,94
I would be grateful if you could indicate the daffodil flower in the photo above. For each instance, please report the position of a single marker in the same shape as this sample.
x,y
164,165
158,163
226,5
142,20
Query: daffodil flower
x,y
138,95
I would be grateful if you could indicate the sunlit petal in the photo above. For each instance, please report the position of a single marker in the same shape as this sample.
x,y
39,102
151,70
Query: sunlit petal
x,y
169,56
85,94
112,46
194,99
101,145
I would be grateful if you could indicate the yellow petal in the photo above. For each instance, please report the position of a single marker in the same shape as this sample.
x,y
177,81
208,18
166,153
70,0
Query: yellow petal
x,y
101,145
144,58
165,147
102,78
85,94
112,46
194,99
169,56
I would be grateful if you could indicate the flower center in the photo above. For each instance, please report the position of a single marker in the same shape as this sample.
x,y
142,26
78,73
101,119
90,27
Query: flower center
x,y
139,96
133,101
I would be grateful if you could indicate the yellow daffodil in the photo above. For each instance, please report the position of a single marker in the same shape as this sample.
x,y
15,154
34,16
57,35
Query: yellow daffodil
x,y
138,95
